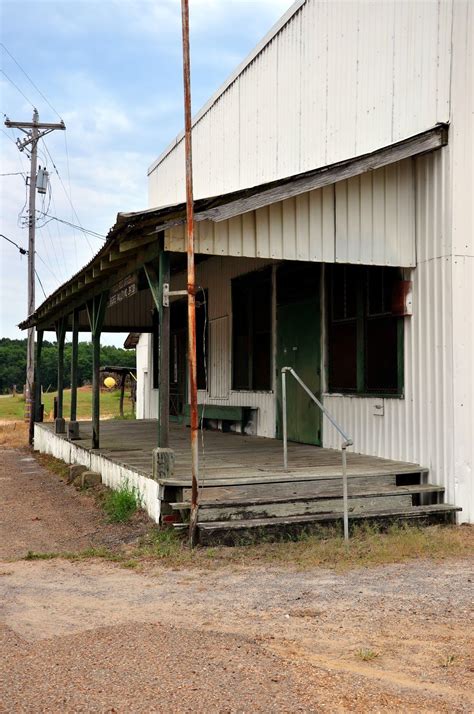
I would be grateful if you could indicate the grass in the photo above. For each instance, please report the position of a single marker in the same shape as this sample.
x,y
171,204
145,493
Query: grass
x,y
13,408
13,435
367,548
120,505
366,655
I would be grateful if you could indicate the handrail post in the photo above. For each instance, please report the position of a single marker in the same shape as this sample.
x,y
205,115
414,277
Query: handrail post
x,y
285,426
347,441
344,492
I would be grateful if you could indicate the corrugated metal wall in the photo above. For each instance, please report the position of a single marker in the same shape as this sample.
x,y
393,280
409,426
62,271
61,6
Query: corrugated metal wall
x,y
418,428
368,219
338,80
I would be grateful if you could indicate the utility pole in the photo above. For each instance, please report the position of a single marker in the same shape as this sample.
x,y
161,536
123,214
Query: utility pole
x,y
34,132
191,274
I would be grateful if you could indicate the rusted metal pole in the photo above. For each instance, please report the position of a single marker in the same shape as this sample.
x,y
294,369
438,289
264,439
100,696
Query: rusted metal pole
x,y
191,274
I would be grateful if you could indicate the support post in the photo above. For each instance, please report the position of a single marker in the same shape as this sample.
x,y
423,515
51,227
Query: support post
x,y
37,377
96,313
60,424
122,393
191,274
344,492
73,426
34,131
284,418
156,280
164,353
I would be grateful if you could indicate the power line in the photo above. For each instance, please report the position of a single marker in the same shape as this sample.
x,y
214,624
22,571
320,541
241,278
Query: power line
x,y
8,135
17,87
39,280
69,186
15,173
48,267
71,225
69,197
29,79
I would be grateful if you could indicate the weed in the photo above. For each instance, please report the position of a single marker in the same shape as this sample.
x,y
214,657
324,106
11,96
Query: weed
x,y
164,543
120,505
31,555
366,655
448,660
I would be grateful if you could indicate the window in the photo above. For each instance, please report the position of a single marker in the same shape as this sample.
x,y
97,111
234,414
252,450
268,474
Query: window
x,y
365,340
179,324
251,331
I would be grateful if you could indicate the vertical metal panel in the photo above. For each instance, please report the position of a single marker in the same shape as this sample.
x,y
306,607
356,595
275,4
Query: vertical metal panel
x,y
374,224
336,81
219,358
461,152
419,427
375,217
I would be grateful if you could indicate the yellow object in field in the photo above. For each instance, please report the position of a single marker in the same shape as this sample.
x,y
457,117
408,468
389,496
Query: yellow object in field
x,y
110,382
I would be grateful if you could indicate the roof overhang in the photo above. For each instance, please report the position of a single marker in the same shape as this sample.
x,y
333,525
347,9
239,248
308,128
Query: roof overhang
x,y
135,238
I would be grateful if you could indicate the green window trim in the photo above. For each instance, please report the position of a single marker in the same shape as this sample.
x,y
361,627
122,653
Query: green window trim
x,y
355,315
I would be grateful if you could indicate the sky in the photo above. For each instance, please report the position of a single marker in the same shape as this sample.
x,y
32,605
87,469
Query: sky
x,y
112,70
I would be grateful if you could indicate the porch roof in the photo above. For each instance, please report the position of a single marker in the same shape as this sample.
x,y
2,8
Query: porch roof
x,y
134,238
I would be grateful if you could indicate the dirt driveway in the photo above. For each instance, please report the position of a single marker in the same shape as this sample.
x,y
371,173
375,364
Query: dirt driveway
x,y
95,637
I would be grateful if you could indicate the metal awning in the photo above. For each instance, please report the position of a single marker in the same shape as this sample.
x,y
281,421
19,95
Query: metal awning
x,y
134,239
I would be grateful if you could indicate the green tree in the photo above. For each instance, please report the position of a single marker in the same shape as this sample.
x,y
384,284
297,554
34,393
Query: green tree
x,y
13,362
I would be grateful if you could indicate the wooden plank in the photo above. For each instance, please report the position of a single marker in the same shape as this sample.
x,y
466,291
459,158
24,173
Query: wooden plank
x,y
415,512
303,508
324,495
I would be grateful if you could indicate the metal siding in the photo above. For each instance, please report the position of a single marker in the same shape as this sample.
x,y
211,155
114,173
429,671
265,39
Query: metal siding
x,y
369,218
375,217
219,358
338,80
461,152
419,427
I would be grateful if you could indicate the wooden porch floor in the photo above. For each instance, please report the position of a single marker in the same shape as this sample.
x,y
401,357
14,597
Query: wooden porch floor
x,y
228,458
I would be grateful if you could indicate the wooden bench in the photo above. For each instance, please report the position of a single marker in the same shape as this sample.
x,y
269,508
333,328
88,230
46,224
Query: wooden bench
x,y
221,412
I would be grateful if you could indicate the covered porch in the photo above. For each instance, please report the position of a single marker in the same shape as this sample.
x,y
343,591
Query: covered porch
x,y
244,487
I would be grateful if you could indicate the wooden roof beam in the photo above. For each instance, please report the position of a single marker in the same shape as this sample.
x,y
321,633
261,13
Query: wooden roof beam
x,y
137,243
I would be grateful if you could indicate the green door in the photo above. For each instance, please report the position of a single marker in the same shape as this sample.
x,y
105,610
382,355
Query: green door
x,y
298,346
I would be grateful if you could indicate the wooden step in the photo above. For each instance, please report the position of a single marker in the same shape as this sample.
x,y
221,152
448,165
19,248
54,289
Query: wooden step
x,y
291,498
402,497
248,531
275,477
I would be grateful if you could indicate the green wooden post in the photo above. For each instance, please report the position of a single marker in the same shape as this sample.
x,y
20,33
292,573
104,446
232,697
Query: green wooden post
x,y
37,379
157,279
96,313
60,424
164,352
73,425
74,356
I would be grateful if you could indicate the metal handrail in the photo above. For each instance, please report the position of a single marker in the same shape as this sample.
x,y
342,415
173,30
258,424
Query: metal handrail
x,y
347,441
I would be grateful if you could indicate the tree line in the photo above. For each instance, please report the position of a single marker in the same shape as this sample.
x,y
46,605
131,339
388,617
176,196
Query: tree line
x,y
13,363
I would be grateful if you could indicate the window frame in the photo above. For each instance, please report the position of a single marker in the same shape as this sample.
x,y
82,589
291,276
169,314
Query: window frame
x,y
362,318
252,281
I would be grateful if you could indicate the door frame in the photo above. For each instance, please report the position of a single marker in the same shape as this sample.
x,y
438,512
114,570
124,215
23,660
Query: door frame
x,y
317,297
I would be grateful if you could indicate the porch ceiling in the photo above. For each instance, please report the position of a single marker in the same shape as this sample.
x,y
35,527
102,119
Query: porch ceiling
x,y
135,238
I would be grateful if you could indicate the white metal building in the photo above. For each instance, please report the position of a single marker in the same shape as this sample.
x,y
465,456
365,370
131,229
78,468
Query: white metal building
x,y
381,94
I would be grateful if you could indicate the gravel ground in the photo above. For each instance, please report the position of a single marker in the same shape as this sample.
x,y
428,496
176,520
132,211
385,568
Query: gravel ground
x,y
53,516
94,637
